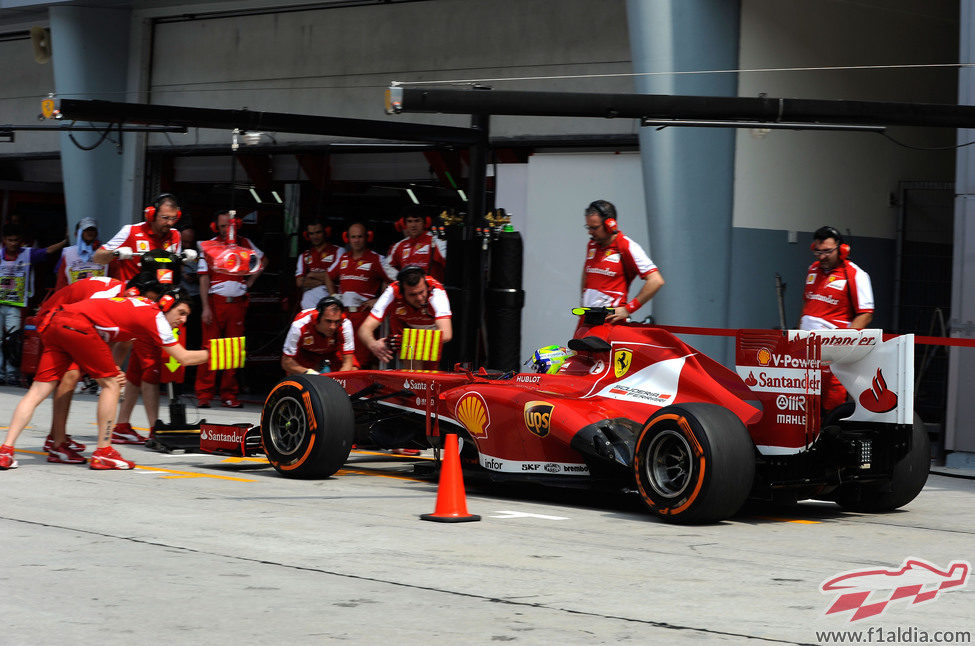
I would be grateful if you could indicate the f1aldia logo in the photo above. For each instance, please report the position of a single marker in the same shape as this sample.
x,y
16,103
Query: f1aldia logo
x,y
869,592
538,417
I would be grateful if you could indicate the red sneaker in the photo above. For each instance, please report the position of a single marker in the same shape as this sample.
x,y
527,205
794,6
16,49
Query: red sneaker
x,y
231,403
77,447
65,455
7,457
405,452
109,458
124,434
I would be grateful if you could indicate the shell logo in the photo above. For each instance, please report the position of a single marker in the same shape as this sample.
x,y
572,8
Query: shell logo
x,y
764,356
472,412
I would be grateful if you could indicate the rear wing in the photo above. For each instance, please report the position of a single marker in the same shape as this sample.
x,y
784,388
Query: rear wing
x,y
878,374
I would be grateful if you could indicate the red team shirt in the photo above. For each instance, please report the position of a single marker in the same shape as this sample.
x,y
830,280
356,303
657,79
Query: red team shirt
x,y
360,279
79,332
138,238
610,270
403,314
311,348
425,250
81,290
220,283
833,299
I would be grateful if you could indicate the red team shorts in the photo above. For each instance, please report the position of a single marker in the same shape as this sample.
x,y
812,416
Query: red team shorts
x,y
71,338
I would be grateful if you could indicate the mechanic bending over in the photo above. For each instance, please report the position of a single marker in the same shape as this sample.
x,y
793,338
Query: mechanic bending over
x,y
613,260
320,340
80,333
414,300
838,295
59,445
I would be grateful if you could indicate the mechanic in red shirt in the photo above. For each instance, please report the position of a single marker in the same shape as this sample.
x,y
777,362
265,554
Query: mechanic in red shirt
x,y
60,446
838,295
160,272
124,253
320,340
419,247
414,300
157,232
80,333
312,273
613,260
360,277
224,299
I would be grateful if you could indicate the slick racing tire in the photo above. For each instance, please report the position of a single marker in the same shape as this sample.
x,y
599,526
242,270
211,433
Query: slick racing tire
x,y
694,463
307,427
908,477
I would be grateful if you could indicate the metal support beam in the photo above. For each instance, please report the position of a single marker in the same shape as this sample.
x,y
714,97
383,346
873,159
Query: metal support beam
x,y
660,106
169,115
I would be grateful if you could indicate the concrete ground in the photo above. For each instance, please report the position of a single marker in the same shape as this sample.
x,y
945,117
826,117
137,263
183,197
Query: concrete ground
x,y
197,549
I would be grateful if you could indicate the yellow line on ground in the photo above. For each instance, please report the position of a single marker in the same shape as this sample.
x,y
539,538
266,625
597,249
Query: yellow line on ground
x,y
790,520
176,474
192,474
364,472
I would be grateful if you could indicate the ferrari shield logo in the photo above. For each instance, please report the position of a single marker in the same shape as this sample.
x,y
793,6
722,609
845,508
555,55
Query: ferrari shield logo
x,y
621,362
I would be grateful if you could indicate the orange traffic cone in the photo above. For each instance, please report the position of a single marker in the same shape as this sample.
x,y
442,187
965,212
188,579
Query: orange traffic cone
x,y
451,500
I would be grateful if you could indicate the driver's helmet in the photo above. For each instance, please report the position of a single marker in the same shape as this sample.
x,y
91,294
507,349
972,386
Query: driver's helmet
x,y
549,359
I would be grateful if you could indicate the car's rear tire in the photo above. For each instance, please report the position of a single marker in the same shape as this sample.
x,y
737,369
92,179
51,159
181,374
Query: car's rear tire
x,y
307,427
694,463
908,478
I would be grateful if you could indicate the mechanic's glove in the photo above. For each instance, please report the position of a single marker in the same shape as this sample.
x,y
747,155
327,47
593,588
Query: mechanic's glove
x,y
123,253
312,372
393,342
189,255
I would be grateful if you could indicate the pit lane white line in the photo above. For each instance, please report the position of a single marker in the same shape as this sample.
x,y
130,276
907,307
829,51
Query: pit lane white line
x,y
525,514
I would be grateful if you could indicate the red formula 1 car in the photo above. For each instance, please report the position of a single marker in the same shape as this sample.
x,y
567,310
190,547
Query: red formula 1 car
x,y
636,409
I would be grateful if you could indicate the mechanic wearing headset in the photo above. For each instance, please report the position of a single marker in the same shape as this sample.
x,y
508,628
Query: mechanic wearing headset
x,y
80,333
415,300
320,340
312,273
360,277
418,247
613,260
160,273
838,295
59,445
224,299
157,233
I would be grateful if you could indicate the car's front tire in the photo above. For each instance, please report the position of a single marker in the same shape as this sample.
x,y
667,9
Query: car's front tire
x,y
307,427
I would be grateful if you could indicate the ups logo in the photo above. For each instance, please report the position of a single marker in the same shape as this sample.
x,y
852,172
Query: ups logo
x,y
538,417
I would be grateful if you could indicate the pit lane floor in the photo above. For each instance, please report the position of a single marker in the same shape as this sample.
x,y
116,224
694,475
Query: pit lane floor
x,y
197,549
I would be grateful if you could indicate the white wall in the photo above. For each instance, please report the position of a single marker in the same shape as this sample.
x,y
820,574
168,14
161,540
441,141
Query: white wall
x,y
559,187
801,180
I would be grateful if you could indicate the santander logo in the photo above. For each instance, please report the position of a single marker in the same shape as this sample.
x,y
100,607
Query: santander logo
x,y
878,398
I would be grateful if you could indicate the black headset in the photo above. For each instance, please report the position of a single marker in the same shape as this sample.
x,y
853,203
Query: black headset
x,y
822,233
410,269
329,301
608,221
